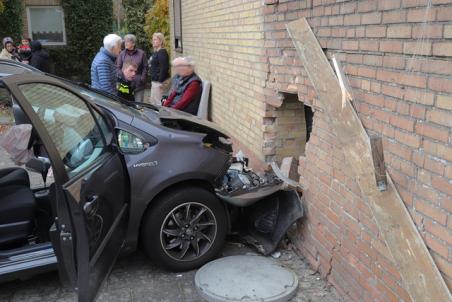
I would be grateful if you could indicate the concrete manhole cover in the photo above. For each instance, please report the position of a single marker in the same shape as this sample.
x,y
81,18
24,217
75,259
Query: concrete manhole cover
x,y
245,278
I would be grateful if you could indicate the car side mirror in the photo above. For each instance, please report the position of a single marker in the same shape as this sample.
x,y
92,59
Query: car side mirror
x,y
39,165
130,143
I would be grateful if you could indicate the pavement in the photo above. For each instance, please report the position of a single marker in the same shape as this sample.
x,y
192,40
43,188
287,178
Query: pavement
x,y
136,278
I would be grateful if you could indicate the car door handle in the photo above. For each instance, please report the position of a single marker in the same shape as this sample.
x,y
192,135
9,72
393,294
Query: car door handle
x,y
90,205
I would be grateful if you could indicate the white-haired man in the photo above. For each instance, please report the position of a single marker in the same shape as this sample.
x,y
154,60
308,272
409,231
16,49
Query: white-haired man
x,y
186,89
103,68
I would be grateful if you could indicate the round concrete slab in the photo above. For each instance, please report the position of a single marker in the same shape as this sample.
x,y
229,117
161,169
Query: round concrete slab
x,y
245,278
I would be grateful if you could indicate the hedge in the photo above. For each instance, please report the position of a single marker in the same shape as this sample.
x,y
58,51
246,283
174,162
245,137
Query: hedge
x,y
135,15
11,20
157,20
87,23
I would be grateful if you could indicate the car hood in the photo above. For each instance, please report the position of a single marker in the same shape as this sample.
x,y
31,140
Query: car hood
x,y
188,122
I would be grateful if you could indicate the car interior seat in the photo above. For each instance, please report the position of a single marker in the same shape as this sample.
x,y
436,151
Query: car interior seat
x,y
17,207
17,201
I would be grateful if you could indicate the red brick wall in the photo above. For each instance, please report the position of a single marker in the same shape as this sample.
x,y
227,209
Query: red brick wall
x,y
400,68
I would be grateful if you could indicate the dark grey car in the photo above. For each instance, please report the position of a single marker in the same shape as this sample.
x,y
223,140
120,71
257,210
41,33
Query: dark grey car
x,y
125,173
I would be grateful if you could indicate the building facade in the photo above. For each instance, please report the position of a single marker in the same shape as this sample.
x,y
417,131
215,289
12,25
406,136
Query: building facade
x,y
397,55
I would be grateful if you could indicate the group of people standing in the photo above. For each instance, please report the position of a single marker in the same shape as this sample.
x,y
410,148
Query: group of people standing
x,y
121,68
28,52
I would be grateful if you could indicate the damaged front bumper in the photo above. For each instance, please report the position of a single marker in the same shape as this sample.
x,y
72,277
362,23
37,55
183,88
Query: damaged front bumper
x,y
269,203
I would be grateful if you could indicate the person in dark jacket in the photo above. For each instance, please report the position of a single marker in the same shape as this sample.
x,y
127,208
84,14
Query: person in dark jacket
x,y
125,83
138,56
187,87
103,68
39,57
159,63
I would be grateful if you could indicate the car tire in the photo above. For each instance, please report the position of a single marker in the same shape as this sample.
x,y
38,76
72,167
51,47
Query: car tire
x,y
184,229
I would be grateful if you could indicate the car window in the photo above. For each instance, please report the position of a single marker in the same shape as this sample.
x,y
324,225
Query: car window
x,y
7,121
69,123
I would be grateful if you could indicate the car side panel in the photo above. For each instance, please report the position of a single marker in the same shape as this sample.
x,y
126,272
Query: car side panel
x,y
174,159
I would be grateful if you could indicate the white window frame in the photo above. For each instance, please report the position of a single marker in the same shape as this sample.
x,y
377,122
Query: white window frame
x,y
64,25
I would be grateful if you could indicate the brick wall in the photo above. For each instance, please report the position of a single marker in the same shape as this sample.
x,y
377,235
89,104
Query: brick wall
x,y
400,68
398,56
226,40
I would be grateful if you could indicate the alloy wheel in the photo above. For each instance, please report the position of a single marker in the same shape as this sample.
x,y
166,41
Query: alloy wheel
x,y
188,231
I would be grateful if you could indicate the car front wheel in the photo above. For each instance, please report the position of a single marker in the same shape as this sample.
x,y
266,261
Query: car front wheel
x,y
184,229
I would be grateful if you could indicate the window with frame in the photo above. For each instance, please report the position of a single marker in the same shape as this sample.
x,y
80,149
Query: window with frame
x,y
46,24
69,122
177,16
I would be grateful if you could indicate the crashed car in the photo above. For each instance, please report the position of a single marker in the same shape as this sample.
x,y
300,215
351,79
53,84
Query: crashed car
x,y
124,174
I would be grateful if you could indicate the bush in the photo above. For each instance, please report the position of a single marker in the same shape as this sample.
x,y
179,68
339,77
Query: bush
x,y
135,14
157,20
87,23
11,19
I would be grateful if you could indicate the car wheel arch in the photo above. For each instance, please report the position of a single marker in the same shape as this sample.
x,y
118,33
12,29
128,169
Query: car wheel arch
x,y
185,183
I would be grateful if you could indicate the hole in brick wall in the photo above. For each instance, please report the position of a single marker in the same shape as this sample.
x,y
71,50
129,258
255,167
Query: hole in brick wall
x,y
292,126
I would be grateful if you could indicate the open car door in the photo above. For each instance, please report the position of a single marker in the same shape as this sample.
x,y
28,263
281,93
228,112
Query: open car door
x,y
91,190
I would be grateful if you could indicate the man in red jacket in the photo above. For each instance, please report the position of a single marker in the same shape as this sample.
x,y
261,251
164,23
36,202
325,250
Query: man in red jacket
x,y
186,90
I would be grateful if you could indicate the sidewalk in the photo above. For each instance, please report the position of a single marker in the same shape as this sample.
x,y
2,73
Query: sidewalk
x,y
135,278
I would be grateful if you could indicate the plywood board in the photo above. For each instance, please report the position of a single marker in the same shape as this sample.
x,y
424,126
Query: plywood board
x,y
419,273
